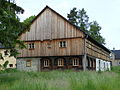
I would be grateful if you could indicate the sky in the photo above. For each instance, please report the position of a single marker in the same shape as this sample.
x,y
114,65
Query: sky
x,y
105,12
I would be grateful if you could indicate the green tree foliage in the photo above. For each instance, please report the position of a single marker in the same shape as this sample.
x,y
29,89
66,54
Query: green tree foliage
x,y
95,32
81,19
28,21
10,25
72,16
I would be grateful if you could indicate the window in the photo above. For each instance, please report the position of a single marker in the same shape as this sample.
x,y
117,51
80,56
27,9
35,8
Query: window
x,y
1,57
75,61
28,63
46,63
6,52
60,62
10,65
31,46
49,45
62,44
118,63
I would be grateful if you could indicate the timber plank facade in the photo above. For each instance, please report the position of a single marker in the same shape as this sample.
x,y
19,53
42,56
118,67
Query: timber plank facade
x,y
54,43
51,48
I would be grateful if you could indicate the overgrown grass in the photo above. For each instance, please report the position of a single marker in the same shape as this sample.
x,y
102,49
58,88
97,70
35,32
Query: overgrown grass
x,y
60,80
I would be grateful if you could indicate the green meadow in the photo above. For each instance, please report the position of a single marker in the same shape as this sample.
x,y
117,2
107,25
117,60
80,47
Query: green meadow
x,y
12,79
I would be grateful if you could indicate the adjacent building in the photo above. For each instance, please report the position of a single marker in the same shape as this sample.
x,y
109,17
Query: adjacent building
x,y
54,43
115,57
5,56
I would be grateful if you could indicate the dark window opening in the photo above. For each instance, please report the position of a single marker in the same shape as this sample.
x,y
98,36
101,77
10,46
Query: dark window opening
x,y
62,44
31,46
6,52
10,65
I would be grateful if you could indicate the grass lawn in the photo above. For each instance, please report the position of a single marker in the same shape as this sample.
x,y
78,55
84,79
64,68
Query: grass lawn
x,y
60,80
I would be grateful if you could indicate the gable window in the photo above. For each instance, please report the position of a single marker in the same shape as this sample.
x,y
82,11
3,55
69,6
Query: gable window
x,y
60,62
28,63
62,44
75,61
31,45
46,63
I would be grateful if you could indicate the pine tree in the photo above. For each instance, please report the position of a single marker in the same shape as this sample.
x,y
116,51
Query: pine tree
x,y
95,32
81,19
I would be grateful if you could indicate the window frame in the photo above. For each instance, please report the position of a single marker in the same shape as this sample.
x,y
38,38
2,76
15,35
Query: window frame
x,y
75,61
60,62
49,45
28,63
46,63
63,44
31,46
118,63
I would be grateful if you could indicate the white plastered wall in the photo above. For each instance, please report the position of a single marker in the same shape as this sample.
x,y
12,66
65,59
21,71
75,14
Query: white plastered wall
x,y
12,59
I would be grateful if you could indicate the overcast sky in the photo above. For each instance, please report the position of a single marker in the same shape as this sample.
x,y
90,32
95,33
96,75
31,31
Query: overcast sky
x,y
105,12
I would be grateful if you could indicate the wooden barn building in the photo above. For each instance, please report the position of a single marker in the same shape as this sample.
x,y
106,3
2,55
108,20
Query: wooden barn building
x,y
54,43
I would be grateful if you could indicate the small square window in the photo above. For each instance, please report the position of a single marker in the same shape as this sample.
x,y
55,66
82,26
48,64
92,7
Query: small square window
x,y
49,45
6,52
62,44
28,63
31,45
10,65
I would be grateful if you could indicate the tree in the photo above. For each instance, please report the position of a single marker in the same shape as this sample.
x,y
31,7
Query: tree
x,y
72,16
95,32
28,20
81,19
10,25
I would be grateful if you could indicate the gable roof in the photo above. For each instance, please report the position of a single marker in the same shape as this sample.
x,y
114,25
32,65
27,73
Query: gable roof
x,y
86,35
117,53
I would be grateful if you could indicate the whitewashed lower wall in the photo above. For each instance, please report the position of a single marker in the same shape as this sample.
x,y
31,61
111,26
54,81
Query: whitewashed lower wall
x,y
102,65
97,64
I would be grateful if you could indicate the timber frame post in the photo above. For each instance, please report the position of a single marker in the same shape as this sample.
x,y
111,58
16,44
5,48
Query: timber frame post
x,y
39,64
84,56
84,59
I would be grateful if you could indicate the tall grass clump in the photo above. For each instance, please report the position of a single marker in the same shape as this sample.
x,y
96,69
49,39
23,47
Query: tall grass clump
x,y
59,80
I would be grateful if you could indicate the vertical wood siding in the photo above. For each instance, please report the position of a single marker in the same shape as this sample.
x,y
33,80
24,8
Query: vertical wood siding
x,y
50,26
74,47
93,50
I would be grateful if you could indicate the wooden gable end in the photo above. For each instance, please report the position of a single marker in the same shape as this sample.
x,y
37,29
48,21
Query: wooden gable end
x,y
50,25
